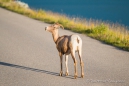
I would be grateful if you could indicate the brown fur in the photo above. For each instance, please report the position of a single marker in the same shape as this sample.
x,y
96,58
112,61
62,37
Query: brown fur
x,y
62,44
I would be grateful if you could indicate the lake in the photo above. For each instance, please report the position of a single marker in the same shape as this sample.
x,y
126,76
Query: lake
x,y
116,11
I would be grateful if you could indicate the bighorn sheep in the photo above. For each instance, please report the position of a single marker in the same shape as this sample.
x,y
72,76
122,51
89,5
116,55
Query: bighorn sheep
x,y
65,45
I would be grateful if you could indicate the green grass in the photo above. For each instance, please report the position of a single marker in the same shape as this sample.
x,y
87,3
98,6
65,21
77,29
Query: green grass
x,y
110,33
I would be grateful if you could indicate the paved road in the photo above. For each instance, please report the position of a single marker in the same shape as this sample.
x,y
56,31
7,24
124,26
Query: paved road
x,y
28,57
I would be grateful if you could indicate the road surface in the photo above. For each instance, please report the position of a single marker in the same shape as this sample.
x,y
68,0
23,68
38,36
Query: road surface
x,y
28,57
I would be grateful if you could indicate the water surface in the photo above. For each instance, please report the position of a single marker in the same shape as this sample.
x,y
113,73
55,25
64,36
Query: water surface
x,y
106,10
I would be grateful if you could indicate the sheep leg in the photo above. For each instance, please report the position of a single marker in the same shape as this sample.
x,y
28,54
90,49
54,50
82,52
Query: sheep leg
x,y
81,64
66,64
75,63
61,58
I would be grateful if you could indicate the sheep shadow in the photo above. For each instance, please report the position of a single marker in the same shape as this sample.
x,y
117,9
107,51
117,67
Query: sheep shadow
x,y
32,69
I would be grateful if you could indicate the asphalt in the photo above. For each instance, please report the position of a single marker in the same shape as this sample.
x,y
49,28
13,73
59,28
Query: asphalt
x,y
28,57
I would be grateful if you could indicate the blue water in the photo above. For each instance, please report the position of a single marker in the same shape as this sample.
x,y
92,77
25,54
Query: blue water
x,y
106,10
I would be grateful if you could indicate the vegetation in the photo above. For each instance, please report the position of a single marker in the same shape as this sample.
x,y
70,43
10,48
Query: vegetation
x,y
110,33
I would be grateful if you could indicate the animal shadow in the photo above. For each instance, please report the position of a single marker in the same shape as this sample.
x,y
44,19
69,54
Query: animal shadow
x,y
32,69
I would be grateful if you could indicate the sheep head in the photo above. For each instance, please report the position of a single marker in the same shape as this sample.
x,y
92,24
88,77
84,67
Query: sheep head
x,y
54,27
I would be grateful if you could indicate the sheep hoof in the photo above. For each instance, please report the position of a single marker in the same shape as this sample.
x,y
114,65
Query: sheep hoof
x,y
61,73
66,73
75,76
82,76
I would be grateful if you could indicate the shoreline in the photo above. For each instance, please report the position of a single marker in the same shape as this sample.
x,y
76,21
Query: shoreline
x,y
112,34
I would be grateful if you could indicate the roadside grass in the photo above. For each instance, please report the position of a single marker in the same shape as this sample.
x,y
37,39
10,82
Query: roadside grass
x,y
110,33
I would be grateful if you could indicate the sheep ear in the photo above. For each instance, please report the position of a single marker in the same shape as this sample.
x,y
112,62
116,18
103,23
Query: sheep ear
x,y
56,23
61,26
